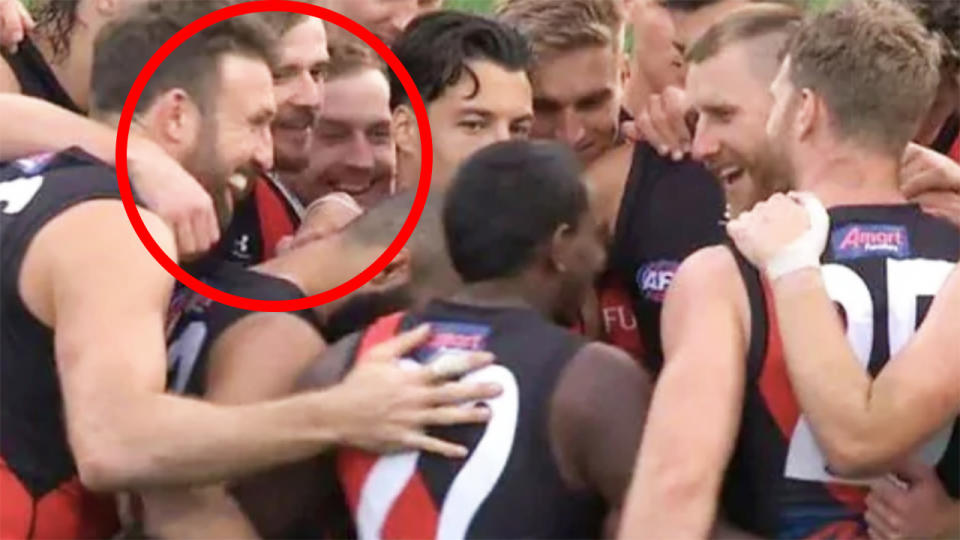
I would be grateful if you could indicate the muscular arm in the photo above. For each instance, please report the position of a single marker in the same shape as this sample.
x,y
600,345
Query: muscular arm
x,y
8,81
865,425
125,432
257,358
260,357
695,413
597,416
44,127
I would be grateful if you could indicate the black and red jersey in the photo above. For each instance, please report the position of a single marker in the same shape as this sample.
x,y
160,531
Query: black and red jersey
x,y
509,486
882,267
668,211
40,493
259,222
35,77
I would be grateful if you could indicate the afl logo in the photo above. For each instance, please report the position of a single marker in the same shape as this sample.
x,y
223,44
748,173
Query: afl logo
x,y
654,278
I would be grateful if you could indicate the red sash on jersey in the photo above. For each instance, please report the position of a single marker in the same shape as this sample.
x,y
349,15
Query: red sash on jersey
x,y
414,514
777,392
618,324
274,217
70,511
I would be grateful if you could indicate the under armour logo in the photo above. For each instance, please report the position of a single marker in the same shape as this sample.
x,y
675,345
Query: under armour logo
x,y
242,244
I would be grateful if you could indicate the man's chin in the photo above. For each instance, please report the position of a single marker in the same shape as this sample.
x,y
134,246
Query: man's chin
x,y
291,162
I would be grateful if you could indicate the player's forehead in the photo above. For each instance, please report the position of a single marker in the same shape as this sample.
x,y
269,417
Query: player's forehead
x,y
596,65
724,77
304,44
489,88
246,84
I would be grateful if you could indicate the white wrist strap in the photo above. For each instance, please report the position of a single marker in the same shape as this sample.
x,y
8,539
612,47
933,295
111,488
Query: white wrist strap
x,y
804,252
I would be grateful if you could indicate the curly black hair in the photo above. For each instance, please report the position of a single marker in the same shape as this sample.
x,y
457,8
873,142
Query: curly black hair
x,y
56,20
942,18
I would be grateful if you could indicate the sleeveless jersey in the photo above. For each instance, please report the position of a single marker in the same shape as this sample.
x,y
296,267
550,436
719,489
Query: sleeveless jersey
x,y
195,322
882,267
669,210
509,486
41,494
617,324
268,214
35,76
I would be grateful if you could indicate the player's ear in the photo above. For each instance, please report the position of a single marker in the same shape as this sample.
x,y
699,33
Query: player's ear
x,y
810,112
405,130
107,7
173,120
560,248
396,273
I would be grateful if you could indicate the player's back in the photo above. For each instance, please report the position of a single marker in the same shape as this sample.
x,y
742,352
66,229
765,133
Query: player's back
x,y
510,485
38,473
882,267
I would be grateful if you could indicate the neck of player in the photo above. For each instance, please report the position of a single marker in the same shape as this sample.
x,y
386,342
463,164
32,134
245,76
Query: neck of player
x,y
514,292
72,68
853,176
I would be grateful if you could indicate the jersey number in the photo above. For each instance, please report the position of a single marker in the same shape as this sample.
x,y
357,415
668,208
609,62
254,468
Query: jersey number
x,y
182,356
18,193
906,281
471,486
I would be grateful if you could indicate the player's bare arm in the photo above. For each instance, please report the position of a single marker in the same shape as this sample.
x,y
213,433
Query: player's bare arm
x,y
260,357
8,81
116,447
164,185
679,472
256,359
596,420
862,425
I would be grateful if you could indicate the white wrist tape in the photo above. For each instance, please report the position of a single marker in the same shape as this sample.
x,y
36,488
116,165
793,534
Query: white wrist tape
x,y
804,252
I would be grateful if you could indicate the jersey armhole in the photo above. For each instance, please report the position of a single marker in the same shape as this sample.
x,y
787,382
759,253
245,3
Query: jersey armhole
x,y
759,326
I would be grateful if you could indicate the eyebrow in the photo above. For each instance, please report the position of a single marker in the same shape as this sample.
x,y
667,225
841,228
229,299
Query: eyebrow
x,y
596,95
474,110
715,109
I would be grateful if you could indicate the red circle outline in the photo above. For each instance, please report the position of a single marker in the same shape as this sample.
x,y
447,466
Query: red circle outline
x,y
256,6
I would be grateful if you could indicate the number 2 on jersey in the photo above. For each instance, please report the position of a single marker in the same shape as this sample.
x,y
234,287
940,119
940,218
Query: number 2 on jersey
x,y
907,280
18,193
470,487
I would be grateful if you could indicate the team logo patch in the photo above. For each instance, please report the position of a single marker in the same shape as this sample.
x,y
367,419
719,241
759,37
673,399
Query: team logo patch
x,y
35,163
653,279
870,240
447,336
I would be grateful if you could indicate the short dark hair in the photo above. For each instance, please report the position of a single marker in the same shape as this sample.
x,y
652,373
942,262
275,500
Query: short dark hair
x,y
874,64
751,22
436,47
506,201
124,46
